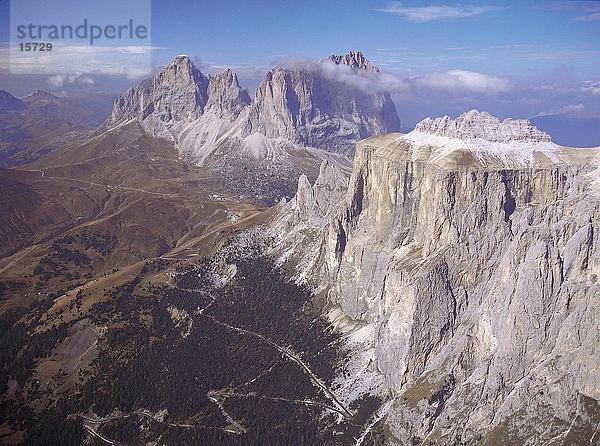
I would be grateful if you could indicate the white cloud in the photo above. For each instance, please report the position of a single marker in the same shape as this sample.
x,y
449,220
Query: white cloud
x,y
59,80
464,80
587,11
452,82
565,110
592,87
68,64
572,108
422,14
590,16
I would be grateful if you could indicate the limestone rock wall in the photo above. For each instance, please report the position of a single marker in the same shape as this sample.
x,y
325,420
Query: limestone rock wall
x,y
481,285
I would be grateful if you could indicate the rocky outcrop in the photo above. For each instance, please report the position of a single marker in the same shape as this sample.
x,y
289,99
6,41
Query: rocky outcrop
x,y
315,204
8,103
225,95
476,124
355,60
479,281
313,106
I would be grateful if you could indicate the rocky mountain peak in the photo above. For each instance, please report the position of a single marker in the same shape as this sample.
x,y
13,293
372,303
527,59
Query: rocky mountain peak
x,y
178,92
182,72
308,105
474,124
225,95
42,94
355,60
9,103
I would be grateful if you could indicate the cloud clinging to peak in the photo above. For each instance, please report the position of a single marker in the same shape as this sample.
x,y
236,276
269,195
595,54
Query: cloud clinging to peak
x,y
422,14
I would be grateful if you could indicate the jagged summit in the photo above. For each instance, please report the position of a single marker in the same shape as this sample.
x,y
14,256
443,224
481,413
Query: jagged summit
x,y
290,103
179,94
9,103
482,125
41,94
200,112
225,95
353,59
481,136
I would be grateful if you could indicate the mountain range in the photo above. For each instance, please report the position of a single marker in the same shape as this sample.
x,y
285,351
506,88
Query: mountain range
x,y
213,267
300,115
38,123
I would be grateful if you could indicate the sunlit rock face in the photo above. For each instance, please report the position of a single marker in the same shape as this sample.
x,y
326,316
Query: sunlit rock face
x,y
179,98
302,113
178,92
330,105
476,124
324,105
477,267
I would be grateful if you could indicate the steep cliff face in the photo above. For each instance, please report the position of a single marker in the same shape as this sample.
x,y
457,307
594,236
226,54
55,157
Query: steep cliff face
x,y
318,105
178,92
225,95
479,280
178,96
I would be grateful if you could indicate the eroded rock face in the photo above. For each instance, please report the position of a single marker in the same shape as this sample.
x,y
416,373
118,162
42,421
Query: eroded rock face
x,y
178,92
178,97
315,204
317,107
476,124
481,284
225,95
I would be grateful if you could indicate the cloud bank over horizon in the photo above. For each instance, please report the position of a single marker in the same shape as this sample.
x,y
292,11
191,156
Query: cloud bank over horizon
x,y
422,14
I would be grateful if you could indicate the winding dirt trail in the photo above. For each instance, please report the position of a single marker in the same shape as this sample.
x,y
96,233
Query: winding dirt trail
x,y
106,186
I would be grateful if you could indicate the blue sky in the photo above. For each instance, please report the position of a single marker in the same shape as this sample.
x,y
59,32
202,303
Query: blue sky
x,y
498,37
512,58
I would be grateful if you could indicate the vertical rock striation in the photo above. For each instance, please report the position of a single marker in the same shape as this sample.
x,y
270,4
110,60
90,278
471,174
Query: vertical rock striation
x,y
479,277
322,105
